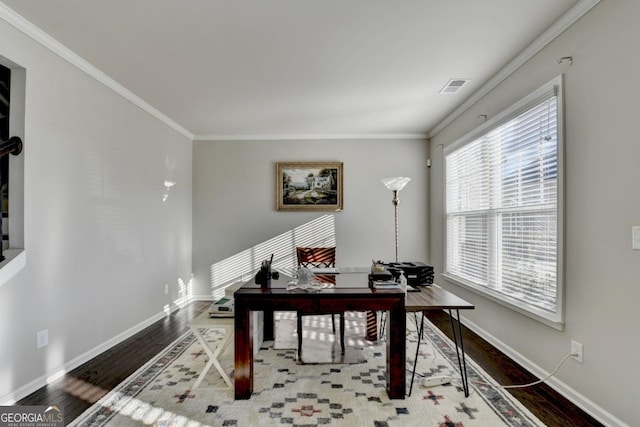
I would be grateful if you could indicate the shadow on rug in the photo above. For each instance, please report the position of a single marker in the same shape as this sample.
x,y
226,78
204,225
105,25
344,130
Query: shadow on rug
x,y
291,394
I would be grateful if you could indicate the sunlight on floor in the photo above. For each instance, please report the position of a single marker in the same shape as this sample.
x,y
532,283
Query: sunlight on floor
x,y
133,408
82,389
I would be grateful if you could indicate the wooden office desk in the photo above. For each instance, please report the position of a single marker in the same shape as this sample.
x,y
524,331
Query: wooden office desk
x,y
433,297
351,293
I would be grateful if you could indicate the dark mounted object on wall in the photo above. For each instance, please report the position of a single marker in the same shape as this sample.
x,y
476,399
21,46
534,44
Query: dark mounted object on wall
x,y
12,146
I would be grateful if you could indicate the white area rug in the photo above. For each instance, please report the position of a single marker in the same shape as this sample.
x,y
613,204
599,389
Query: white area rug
x,y
290,394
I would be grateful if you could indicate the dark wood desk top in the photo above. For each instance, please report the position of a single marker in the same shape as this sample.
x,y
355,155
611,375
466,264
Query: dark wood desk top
x,y
354,282
433,297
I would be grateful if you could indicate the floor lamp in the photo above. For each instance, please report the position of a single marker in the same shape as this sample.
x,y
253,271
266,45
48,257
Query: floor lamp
x,y
396,184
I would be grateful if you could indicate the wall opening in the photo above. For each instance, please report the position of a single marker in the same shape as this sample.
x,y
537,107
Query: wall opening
x,y
12,119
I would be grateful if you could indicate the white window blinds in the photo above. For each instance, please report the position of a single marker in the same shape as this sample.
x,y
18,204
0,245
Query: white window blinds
x,y
502,203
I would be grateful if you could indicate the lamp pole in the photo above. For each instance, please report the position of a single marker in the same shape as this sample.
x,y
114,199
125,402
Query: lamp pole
x,y
396,202
396,184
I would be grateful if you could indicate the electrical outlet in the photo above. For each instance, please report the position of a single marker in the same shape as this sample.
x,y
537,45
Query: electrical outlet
x,y
576,351
42,338
166,288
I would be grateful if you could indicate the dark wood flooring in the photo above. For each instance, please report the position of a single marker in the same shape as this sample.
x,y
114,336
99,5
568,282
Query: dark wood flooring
x,y
548,405
82,387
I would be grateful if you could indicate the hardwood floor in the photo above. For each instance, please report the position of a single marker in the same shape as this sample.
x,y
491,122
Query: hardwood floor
x,y
82,387
85,385
548,405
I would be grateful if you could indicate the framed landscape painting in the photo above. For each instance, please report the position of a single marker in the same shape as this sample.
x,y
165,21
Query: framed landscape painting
x,y
309,186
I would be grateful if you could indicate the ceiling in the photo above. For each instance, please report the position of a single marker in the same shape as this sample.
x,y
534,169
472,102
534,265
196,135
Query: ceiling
x,y
268,69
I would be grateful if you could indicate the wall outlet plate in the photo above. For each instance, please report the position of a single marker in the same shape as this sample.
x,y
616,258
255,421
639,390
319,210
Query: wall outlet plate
x,y
576,348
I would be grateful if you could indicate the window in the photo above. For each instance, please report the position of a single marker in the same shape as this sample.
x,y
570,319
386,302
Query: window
x,y
503,207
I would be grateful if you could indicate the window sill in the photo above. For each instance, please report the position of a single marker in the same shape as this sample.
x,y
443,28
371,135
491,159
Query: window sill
x,y
15,260
519,307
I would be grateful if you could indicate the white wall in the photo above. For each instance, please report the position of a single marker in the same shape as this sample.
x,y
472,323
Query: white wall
x,y
602,273
100,242
235,195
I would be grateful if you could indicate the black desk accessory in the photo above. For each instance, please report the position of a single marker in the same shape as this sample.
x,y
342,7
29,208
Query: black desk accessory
x,y
417,273
264,276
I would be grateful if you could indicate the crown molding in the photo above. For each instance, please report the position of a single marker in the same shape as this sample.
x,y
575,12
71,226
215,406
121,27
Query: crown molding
x,y
20,23
309,137
569,18
564,22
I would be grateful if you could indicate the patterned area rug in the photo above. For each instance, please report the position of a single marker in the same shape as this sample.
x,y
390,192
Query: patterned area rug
x,y
291,394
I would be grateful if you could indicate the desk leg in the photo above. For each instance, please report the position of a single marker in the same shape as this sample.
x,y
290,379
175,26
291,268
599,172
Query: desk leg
x,y
396,353
462,362
243,357
269,331
419,329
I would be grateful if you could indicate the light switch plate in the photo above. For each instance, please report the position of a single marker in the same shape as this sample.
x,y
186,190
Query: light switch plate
x,y
635,236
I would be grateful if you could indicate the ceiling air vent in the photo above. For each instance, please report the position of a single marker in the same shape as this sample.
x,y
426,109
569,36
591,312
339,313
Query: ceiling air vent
x,y
453,86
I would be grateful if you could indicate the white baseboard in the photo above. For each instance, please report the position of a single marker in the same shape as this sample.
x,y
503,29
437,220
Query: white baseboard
x,y
38,383
590,407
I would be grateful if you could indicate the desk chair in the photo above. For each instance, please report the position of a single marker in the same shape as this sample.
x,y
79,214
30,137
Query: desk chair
x,y
320,258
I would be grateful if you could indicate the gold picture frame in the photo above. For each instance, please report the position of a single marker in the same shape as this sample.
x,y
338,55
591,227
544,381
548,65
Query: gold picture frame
x,y
309,186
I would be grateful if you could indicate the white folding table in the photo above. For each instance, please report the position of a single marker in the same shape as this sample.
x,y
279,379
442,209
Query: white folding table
x,y
204,321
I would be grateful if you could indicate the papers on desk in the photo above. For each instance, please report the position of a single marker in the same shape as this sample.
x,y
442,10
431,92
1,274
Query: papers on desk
x,y
385,285
347,270
325,270
381,285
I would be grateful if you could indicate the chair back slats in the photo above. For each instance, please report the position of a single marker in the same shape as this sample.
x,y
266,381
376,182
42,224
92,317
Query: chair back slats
x,y
316,257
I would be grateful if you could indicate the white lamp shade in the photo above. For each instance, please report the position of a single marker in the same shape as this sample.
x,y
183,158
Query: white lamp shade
x,y
396,183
